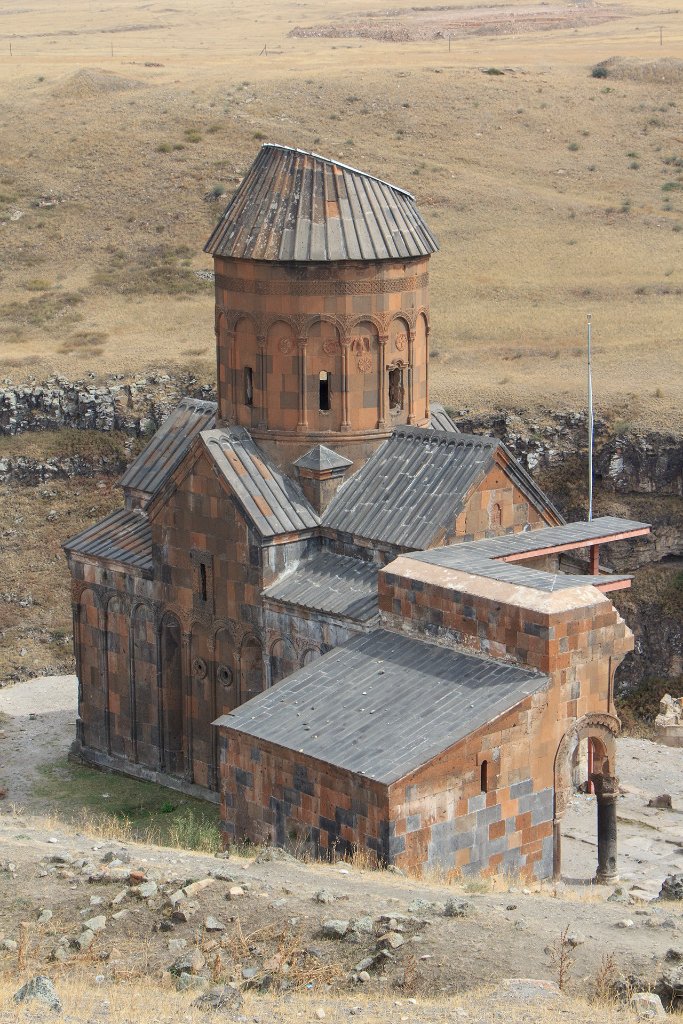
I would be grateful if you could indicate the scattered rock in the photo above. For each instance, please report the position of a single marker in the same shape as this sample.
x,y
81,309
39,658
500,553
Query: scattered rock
x,y
176,945
333,929
196,887
419,906
84,940
96,924
234,892
674,956
626,922
220,997
663,801
184,911
191,962
575,939
145,890
390,940
647,1005
44,917
324,896
213,925
42,990
189,981
457,908
672,888
274,853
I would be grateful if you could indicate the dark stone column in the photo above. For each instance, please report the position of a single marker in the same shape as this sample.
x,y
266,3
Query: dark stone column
x,y
607,794
557,850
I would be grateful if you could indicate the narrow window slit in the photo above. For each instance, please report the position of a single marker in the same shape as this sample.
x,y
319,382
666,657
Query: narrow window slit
x,y
324,392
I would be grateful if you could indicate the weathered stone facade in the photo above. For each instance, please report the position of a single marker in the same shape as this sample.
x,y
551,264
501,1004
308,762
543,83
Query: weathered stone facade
x,y
254,539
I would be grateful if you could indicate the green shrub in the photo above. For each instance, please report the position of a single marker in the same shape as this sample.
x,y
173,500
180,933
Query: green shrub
x,y
599,71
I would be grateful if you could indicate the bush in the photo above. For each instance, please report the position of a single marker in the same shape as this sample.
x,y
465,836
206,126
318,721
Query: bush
x,y
599,71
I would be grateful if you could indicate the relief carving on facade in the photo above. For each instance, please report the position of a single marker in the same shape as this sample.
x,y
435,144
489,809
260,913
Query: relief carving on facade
x,y
361,347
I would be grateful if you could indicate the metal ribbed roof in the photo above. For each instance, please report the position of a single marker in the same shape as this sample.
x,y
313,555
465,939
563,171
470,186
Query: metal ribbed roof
x,y
274,503
124,536
412,487
439,419
156,462
486,557
298,206
331,583
383,704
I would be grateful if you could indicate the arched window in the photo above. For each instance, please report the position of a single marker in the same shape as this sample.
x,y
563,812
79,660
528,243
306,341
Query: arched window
x,y
396,389
484,776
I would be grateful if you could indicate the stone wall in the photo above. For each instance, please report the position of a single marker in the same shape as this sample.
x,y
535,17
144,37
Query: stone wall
x,y
443,817
275,796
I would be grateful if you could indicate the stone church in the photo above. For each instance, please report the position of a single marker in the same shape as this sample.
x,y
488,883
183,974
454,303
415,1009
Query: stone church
x,y
321,604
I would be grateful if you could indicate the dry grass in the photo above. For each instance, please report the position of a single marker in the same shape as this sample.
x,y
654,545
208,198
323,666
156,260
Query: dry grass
x,y
526,178
147,1003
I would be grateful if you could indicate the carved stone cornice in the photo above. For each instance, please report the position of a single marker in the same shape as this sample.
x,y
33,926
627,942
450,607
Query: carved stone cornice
x,y
320,285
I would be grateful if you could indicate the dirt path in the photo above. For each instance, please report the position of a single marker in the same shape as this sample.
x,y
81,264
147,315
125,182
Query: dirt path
x,y
36,727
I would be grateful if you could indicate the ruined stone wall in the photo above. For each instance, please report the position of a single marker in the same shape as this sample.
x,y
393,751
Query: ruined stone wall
x,y
276,796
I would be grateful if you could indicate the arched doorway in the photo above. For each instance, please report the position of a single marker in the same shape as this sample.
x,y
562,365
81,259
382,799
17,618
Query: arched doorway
x,y
596,732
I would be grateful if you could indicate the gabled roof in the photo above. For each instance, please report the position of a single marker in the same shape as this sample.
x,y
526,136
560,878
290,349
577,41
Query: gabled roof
x,y
320,458
330,583
165,451
295,205
413,487
384,704
124,536
273,502
439,419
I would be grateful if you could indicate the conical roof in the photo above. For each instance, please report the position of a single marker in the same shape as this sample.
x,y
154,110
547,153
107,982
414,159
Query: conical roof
x,y
298,206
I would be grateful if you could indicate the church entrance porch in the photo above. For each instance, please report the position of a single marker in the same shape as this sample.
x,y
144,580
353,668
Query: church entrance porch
x,y
585,762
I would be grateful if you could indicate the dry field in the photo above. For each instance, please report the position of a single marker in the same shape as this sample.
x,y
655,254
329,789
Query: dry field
x,y
553,193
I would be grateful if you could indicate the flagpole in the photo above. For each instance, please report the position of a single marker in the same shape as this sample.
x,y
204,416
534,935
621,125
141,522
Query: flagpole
x,y
590,426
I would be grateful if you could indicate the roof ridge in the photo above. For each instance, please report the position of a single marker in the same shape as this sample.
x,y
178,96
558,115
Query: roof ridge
x,y
446,437
337,163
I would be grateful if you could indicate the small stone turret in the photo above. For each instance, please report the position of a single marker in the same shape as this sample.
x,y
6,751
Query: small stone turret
x,y
321,471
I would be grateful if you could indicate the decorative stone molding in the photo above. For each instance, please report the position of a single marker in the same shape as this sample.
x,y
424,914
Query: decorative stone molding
x,y
323,286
